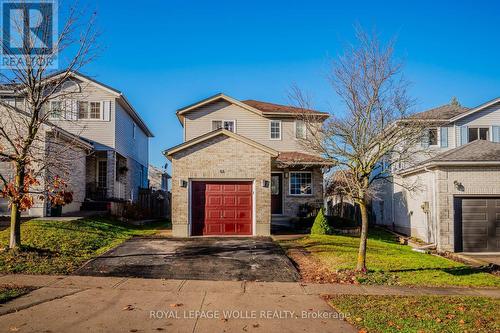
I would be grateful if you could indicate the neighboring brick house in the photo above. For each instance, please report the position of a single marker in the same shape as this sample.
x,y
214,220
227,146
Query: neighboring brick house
x,y
116,166
457,205
241,163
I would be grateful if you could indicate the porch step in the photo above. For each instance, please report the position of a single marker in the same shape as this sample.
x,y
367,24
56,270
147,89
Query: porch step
x,y
95,205
281,220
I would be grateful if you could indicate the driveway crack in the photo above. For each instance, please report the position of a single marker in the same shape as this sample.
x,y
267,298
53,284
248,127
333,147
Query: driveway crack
x,y
201,306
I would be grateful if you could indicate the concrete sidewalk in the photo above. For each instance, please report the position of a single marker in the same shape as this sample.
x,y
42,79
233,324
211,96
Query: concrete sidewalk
x,y
109,304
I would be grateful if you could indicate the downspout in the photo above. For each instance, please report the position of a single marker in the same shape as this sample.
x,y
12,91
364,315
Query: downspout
x,y
433,207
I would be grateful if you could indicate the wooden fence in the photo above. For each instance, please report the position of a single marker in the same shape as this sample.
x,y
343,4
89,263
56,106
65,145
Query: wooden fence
x,y
154,203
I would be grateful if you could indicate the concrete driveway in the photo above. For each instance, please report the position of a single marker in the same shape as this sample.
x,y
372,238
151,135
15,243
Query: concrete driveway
x,y
218,259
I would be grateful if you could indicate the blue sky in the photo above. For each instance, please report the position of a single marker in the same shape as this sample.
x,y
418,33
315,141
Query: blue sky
x,y
167,54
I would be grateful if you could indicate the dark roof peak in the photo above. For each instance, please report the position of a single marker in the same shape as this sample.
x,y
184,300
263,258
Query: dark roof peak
x,y
443,112
278,108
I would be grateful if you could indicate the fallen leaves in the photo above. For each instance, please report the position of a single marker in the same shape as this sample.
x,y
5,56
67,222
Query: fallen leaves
x,y
176,305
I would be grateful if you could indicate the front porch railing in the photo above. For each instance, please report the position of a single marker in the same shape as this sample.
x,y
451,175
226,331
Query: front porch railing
x,y
96,192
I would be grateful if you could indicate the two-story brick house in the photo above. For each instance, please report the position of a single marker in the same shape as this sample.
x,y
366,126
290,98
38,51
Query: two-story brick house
x,y
116,165
457,201
241,163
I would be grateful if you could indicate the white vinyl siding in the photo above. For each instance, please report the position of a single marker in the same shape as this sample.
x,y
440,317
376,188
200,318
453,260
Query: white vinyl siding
x,y
487,117
249,124
100,131
126,144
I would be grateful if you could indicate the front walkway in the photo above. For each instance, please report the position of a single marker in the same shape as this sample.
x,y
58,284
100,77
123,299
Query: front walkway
x,y
103,304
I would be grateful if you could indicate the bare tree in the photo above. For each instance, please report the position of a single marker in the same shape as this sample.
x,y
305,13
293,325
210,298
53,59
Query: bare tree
x,y
374,133
29,141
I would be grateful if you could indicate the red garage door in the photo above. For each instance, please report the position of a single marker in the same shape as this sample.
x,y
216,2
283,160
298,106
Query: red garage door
x,y
221,208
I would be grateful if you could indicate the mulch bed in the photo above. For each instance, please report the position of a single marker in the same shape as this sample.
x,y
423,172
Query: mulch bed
x,y
313,271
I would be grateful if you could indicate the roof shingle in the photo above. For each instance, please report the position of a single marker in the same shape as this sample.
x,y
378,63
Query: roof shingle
x,y
443,112
295,157
277,108
478,150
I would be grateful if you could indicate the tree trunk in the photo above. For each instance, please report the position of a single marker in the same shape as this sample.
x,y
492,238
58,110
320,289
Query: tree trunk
x,y
15,213
361,265
15,227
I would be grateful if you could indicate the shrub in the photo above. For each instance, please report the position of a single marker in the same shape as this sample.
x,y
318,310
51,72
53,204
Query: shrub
x,y
321,225
341,222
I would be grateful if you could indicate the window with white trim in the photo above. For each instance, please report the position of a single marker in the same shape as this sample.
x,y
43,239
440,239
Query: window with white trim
x,y
229,125
300,183
481,133
83,110
275,129
56,110
433,136
95,110
300,129
216,124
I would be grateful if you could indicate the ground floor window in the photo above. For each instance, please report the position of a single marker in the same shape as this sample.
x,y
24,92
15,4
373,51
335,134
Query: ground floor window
x,y
300,183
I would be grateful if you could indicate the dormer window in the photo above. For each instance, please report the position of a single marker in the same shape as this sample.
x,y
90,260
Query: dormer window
x,y
225,124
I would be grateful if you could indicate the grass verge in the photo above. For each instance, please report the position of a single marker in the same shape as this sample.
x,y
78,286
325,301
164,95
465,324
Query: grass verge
x,y
419,313
60,247
389,263
9,292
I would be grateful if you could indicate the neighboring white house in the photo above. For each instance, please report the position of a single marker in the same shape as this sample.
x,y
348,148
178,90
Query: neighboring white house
x,y
117,165
158,178
457,205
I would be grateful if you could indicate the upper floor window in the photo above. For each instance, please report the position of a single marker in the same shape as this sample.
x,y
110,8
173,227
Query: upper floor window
x,y
89,110
300,183
433,137
225,124
481,133
95,110
300,129
133,130
56,109
275,129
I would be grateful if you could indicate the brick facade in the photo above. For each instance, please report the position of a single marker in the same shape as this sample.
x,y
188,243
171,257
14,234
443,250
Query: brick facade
x,y
469,181
221,158
293,202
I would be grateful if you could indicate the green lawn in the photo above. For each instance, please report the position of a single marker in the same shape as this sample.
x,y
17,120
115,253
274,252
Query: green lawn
x,y
60,247
390,262
419,313
8,292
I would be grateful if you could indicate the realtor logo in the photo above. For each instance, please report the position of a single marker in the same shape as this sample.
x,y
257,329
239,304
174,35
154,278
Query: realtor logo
x,y
29,33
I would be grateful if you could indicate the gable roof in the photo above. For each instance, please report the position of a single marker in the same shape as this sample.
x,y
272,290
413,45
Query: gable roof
x,y
220,96
169,152
451,113
12,88
257,107
441,113
54,128
475,153
272,109
476,109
